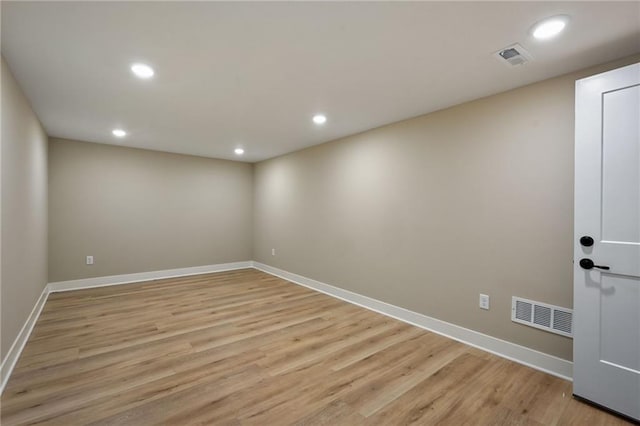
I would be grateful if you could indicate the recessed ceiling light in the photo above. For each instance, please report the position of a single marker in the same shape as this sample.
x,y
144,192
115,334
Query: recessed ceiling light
x,y
142,70
549,28
319,119
239,151
119,133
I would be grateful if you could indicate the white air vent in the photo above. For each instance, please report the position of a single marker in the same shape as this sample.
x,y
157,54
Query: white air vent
x,y
513,55
543,316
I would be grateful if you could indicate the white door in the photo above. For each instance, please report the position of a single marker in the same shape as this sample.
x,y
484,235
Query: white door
x,y
607,241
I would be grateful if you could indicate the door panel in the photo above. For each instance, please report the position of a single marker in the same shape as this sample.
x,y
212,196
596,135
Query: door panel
x,y
607,208
621,165
619,317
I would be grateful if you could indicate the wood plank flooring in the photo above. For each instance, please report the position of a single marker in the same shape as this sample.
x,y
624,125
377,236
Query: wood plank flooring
x,y
247,348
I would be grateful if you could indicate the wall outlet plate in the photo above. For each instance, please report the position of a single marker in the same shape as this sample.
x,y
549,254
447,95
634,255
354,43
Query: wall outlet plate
x,y
89,260
484,301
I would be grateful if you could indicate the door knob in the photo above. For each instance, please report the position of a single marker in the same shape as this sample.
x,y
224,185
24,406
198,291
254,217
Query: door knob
x,y
588,264
586,241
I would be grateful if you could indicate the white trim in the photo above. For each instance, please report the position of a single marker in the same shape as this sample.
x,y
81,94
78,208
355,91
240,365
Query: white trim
x,y
540,361
10,360
523,355
144,276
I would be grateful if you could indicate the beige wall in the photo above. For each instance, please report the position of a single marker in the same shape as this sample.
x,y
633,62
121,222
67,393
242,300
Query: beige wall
x,y
428,213
136,210
24,210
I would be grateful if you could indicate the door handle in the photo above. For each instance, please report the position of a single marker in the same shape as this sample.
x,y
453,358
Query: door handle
x,y
588,264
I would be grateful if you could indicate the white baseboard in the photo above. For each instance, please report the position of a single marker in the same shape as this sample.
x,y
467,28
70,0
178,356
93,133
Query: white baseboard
x,y
144,276
523,355
10,360
540,361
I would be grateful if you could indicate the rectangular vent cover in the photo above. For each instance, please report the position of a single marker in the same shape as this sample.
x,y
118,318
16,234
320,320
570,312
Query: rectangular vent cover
x,y
513,55
554,319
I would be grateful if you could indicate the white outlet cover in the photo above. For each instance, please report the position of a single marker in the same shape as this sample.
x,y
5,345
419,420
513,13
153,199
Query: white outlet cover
x,y
484,301
89,260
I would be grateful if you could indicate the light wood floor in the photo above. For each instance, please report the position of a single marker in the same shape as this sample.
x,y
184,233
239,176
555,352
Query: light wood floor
x,y
245,347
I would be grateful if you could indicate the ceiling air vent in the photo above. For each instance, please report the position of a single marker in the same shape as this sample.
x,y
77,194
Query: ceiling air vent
x,y
513,55
554,319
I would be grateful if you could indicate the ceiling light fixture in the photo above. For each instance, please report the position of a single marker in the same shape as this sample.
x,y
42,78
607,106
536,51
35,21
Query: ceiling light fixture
x,y
119,133
319,119
142,70
239,151
549,28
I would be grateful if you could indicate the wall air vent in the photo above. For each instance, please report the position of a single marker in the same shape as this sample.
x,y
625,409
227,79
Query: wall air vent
x,y
513,55
554,319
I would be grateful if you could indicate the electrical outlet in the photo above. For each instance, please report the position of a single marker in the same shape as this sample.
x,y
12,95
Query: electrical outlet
x,y
89,260
273,252
484,301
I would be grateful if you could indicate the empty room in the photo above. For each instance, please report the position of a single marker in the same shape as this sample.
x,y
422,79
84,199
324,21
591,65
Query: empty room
x,y
320,213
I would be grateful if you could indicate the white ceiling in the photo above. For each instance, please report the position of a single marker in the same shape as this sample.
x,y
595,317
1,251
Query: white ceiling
x,y
253,74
